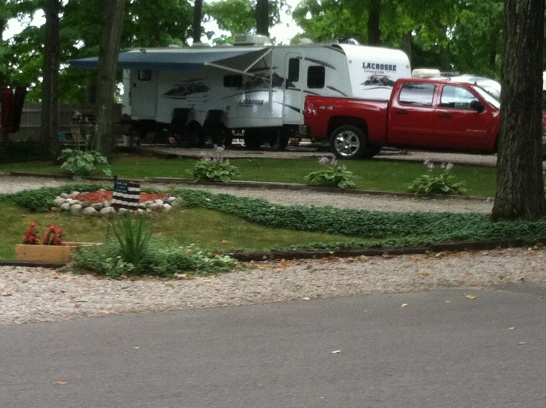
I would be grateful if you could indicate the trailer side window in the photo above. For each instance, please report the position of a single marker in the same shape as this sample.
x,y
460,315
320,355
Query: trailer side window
x,y
294,69
315,77
233,81
417,94
144,75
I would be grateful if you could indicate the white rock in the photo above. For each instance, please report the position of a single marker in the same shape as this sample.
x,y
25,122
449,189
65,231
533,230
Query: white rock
x,y
59,201
167,207
75,209
89,211
65,207
107,210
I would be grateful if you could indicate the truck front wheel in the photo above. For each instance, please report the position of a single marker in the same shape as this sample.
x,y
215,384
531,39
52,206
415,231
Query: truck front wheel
x,y
348,142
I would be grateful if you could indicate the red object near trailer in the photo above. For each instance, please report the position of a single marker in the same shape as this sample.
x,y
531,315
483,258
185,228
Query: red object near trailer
x,y
430,114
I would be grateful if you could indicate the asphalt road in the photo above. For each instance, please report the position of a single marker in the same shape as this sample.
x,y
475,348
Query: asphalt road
x,y
451,348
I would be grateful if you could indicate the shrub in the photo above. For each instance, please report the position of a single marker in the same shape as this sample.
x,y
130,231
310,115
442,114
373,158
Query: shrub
x,y
161,258
213,169
334,174
80,163
437,183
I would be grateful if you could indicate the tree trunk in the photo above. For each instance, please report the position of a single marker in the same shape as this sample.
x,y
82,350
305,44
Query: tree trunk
x,y
262,17
112,22
520,186
197,17
49,129
374,30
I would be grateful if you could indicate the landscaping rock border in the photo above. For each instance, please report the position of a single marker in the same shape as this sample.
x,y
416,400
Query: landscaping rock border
x,y
67,202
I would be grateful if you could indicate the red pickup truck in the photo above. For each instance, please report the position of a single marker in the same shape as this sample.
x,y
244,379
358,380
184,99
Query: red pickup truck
x,y
433,114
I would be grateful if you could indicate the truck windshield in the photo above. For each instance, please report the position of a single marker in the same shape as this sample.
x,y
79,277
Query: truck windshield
x,y
494,102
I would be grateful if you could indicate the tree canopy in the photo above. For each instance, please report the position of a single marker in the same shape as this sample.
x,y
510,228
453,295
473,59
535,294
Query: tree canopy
x,y
451,35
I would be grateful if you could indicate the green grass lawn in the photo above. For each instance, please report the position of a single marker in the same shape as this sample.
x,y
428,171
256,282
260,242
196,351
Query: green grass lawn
x,y
202,227
378,175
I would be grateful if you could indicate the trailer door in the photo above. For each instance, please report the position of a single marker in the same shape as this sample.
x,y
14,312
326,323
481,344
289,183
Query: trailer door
x,y
143,94
293,96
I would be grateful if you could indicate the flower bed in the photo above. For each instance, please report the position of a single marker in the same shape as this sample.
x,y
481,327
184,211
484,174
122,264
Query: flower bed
x,y
100,202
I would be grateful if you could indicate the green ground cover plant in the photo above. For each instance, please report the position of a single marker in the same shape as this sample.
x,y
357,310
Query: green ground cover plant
x,y
377,175
378,228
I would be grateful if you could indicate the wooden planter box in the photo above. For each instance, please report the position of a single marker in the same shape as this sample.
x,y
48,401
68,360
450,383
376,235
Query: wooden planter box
x,y
48,253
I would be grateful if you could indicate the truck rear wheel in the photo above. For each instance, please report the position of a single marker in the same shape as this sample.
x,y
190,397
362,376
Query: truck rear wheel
x,y
348,142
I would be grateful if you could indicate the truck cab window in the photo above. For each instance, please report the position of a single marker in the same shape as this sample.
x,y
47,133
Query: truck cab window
x,y
456,97
144,75
316,77
233,81
416,94
294,69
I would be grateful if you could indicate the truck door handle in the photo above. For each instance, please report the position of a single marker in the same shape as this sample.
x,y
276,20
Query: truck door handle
x,y
401,112
444,115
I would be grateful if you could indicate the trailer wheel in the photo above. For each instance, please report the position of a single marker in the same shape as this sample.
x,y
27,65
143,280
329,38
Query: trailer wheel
x,y
348,142
278,142
194,135
253,140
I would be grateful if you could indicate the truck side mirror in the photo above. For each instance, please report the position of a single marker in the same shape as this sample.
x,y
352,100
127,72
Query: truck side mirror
x,y
477,106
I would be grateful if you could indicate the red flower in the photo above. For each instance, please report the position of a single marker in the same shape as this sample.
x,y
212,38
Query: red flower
x,y
52,236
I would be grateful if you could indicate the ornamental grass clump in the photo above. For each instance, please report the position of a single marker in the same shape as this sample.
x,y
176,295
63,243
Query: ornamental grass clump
x,y
133,236
442,182
215,168
333,174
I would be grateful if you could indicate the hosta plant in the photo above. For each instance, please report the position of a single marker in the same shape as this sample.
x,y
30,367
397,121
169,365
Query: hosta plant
x,y
333,174
437,182
215,168
80,163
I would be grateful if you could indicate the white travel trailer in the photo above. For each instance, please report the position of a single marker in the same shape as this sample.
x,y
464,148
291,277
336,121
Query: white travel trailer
x,y
251,88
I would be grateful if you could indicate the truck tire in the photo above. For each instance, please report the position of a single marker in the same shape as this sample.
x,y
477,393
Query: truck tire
x,y
348,142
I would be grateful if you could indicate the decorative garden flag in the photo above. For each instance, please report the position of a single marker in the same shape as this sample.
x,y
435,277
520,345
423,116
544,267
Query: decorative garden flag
x,y
126,194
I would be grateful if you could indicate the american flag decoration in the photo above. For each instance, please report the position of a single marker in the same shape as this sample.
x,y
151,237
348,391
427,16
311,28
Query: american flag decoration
x,y
126,194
